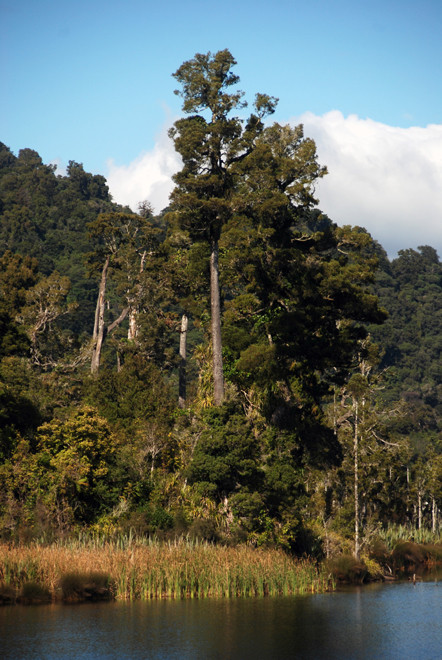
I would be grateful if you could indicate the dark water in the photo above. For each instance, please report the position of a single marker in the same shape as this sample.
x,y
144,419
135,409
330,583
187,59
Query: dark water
x,y
375,622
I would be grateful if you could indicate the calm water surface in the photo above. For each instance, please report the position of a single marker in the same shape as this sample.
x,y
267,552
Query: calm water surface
x,y
402,621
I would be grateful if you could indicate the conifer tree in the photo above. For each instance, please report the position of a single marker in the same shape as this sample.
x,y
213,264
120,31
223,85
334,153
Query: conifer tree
x,y
210,144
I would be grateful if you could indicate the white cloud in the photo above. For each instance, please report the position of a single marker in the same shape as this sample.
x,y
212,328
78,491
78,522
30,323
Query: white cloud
x,y
148,177
60,166
383,178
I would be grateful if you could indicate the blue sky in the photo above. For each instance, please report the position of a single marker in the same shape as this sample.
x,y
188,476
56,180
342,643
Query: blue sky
x,y
91,81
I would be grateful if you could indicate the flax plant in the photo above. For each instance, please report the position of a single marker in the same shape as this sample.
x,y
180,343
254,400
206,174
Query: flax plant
x,y
395,533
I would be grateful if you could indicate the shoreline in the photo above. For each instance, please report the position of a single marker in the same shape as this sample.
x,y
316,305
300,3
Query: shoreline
x,y
148,569
180,570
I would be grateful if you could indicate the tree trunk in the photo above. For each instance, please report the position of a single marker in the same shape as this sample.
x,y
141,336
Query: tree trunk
x,y
183,358
215,306
133,323
419,509
98,333
133,326
356,482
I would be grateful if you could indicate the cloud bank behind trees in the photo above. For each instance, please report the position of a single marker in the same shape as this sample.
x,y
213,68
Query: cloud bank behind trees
x,y
383,178
148,177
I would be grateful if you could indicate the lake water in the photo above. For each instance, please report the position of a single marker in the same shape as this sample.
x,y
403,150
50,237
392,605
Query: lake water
x,y
380,621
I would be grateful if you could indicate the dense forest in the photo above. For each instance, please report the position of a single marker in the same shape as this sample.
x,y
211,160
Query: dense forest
x,y
238,368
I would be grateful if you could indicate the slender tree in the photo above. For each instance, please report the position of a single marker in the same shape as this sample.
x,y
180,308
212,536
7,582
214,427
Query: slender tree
x,y
183,360
373,454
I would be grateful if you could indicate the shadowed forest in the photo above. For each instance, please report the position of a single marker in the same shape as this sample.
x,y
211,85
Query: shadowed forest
x,y
237,369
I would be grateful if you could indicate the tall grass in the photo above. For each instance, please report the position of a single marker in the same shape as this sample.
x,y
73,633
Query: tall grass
x,y
150,569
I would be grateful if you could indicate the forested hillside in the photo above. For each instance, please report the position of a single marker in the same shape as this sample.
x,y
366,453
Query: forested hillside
x,y
237,368
410,288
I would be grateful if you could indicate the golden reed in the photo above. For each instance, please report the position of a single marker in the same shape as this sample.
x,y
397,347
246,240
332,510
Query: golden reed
x,y
181,569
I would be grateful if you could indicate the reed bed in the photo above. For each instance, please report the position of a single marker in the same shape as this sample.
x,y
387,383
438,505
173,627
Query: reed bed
x,y
153,570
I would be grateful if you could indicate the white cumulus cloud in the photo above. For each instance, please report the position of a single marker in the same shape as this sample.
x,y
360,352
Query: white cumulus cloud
x,y
148,177
383,178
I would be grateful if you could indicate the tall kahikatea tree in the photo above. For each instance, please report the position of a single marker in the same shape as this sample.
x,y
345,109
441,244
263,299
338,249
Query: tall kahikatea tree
x,y
210,143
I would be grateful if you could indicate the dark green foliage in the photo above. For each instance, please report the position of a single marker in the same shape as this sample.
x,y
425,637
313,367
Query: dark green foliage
x,y
13,339
17,275
298,311
44,216
19,410
131,396
158,518
225,459
411,289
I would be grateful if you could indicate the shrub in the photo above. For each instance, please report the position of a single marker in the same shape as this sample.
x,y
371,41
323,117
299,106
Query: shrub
x,y
374,569
204,530
159,518
346,568
34,593
7,594
379,552
406,555
433,551
85,586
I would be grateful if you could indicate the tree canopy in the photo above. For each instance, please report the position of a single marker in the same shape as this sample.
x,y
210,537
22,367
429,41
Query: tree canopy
x,y
238,366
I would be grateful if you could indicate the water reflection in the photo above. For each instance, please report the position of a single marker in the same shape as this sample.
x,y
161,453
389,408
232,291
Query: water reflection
x,y
379,621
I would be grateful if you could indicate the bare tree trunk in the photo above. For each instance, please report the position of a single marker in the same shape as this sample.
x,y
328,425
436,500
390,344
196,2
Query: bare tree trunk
x,y
356,482
100,329
133,323
183,359
215,305
98,333
433,515
419,509
133,326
